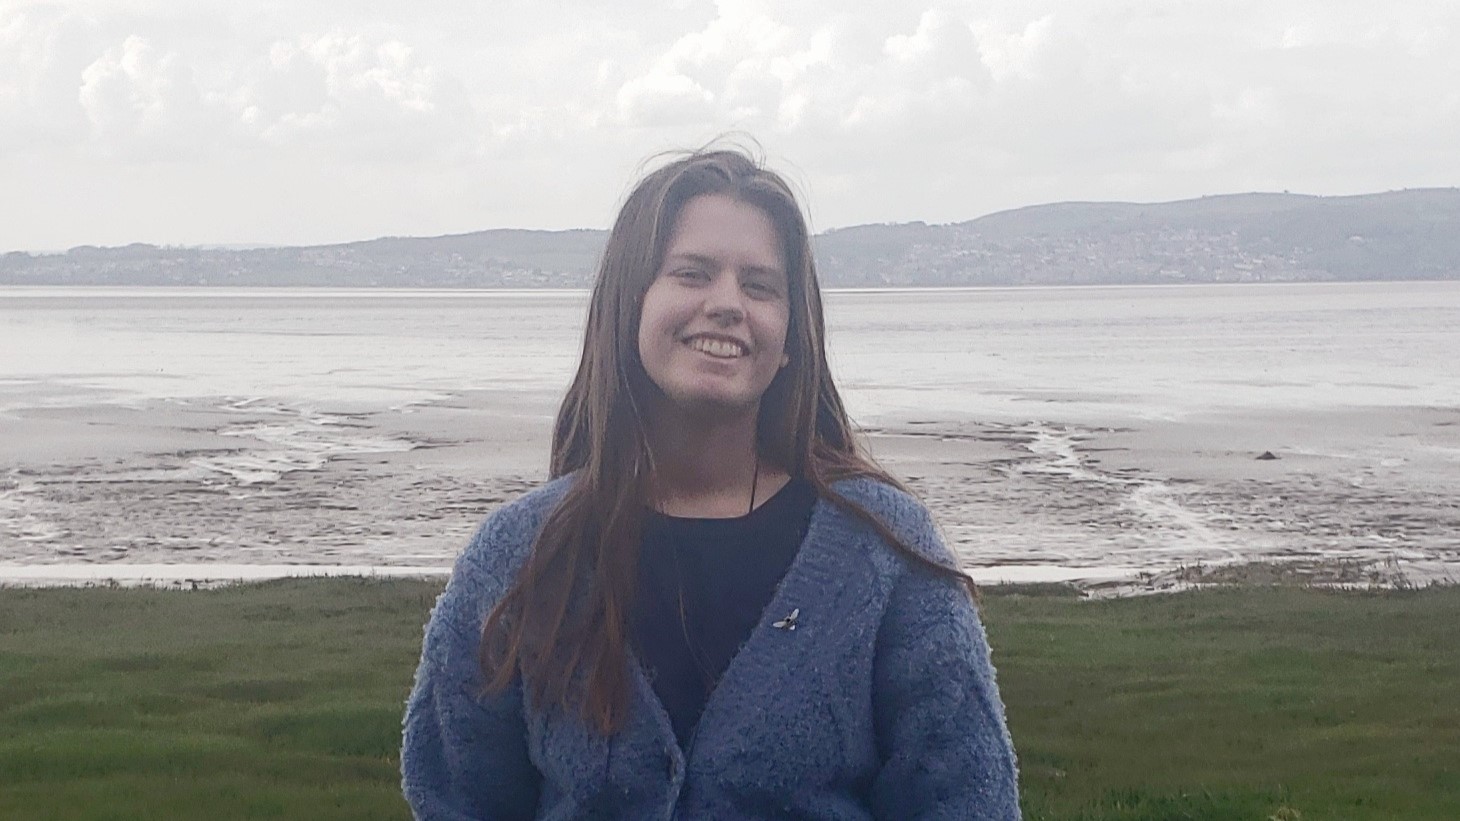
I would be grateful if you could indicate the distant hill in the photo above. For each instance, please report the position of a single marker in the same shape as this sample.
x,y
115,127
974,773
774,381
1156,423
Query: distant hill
x,y
1410,234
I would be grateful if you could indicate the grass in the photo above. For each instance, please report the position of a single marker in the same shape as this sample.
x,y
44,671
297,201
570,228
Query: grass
x,y
284,699
1234,703
270,700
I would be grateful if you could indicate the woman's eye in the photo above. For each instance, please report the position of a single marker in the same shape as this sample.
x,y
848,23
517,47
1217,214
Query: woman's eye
x,y
690,273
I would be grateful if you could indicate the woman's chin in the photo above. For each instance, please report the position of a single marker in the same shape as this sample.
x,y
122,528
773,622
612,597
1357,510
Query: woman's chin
x,y
709,404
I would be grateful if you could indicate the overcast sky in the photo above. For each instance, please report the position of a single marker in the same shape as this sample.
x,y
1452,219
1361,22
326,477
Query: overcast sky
x,y
268,122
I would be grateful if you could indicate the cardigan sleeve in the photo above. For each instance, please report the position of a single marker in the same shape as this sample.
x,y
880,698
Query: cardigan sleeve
x,y
944,743
464,752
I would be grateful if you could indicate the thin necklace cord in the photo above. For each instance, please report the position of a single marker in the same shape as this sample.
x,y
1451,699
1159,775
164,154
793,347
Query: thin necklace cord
x,y
694,651
754,480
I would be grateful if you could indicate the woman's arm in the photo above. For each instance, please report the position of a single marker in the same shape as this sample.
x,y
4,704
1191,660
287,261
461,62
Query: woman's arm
x,y
464,754
946,751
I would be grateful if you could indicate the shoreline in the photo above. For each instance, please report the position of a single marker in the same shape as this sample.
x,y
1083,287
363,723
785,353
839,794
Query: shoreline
x,y
1087,583
209,491
209,574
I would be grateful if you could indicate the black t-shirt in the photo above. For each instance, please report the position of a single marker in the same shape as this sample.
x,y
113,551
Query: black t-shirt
x,y
703,586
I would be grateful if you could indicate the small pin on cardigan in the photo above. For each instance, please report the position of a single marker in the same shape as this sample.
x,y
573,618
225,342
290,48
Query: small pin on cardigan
x,y
789,622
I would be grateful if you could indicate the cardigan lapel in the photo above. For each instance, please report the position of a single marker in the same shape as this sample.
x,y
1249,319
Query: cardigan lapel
x,y
826,587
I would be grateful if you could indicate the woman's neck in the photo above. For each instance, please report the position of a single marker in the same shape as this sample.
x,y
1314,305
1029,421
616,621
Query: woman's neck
x,y
709,469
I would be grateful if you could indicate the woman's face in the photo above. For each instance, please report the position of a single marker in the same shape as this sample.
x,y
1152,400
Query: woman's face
x,y
712,330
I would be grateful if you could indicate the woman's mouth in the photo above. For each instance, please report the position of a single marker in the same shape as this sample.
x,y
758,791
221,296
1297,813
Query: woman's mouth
x,y
718,348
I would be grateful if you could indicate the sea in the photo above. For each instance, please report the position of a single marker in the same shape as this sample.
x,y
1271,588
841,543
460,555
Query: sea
x,y
1083,355
1136,351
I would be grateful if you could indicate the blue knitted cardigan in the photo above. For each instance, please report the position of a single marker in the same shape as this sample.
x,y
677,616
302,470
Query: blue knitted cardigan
x,y
880,702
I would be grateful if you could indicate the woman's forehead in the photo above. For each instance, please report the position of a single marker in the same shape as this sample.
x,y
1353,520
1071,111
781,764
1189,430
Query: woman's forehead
x,y
717,228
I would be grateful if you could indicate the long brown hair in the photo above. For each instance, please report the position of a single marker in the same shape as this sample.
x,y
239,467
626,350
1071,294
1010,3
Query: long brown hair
x,y
564,622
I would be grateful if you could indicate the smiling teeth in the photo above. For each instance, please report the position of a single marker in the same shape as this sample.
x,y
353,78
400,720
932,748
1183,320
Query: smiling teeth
x,y
716,347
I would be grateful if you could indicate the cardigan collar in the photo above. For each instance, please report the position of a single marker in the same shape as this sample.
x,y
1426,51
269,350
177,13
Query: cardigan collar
x,y
814,589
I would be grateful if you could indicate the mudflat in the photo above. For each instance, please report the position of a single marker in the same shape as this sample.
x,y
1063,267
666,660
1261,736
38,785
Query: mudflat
x,y
199,487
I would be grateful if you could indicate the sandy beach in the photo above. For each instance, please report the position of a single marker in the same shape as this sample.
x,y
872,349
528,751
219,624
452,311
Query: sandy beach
x,y
183,491
1352,498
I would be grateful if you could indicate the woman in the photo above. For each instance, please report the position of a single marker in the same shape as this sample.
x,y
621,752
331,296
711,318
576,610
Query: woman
x,y
718,607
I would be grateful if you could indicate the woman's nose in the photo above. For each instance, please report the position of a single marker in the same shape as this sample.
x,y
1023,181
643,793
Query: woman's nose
x,y
724,301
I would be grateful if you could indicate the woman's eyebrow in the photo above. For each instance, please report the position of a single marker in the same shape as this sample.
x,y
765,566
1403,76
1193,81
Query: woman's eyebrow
x,y
711,262
698,259
764,271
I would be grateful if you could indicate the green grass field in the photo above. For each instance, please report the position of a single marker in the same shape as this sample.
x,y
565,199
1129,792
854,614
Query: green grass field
x,y
284,700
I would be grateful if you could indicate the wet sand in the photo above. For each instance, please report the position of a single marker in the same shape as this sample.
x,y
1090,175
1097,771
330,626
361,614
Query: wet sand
x,y
1352,498
191,491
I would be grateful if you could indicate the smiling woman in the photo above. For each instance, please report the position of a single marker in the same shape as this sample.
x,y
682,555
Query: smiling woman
x,y
719,607
712,331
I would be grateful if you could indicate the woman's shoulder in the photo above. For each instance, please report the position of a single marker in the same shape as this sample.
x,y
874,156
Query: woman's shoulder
x,y
902,513
877,495
489,564
511,529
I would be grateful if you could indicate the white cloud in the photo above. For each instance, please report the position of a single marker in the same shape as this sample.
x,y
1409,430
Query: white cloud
x,y
1008,54
145,104
664,99
440,116
343,92
42,51
732,69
